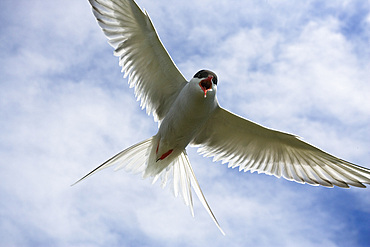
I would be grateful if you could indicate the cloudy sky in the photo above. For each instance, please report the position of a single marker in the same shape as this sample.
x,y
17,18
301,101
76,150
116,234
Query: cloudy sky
x,y
301,67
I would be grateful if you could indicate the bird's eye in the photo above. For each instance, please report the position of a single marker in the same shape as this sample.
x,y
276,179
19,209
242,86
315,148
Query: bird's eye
x,y
214,79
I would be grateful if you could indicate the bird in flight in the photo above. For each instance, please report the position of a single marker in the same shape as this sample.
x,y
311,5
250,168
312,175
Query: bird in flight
x,y
188,113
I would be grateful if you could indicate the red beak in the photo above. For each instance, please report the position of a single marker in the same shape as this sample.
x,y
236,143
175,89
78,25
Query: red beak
x,y
206,85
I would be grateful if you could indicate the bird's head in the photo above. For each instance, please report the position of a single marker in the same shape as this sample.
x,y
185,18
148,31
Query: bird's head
x,y
207,81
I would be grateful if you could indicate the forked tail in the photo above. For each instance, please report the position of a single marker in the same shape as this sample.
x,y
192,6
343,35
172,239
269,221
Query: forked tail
x,y
182,175
135,159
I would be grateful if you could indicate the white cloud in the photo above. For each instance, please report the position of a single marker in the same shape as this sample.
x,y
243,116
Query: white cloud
x,y
65,108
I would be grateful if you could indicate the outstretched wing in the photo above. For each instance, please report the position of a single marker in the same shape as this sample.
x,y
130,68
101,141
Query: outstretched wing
x,y
242,143
143,58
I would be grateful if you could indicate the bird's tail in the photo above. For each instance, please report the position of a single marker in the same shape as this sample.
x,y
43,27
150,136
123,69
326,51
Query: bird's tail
x,y
133,159
179,172
183,178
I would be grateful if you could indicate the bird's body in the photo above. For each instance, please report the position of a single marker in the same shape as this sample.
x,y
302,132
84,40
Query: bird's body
x,y
188,113
185,118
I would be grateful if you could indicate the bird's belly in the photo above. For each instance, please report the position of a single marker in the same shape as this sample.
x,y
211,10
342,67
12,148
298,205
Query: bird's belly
x,y
187,115
182,123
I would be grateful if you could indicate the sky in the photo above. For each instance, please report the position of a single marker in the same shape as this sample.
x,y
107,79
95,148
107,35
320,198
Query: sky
x,y
300,67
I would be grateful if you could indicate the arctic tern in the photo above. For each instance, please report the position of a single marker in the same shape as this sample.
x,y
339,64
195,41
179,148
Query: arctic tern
x,y
188,113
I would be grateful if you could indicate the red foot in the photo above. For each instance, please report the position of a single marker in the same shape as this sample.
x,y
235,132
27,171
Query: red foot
x,y
165,154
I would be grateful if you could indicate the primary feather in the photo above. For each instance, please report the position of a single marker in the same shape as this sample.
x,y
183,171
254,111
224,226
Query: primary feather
x,y
150,69
252,147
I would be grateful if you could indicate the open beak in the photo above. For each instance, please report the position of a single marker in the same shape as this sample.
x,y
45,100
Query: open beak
x,y
206,85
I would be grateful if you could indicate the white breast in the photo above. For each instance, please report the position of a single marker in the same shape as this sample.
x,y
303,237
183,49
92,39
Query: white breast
x,y
187,115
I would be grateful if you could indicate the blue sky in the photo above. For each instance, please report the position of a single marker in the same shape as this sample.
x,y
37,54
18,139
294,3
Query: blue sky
x,y
299,67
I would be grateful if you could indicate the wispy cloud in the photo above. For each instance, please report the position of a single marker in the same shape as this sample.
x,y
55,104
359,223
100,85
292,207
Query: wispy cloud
x,y
301,68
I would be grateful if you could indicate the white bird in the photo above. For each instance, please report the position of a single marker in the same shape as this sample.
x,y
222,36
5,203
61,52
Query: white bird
x,y
188,113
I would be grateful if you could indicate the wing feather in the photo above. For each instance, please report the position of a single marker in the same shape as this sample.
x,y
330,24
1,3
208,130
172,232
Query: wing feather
x,y
239,142
150,70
